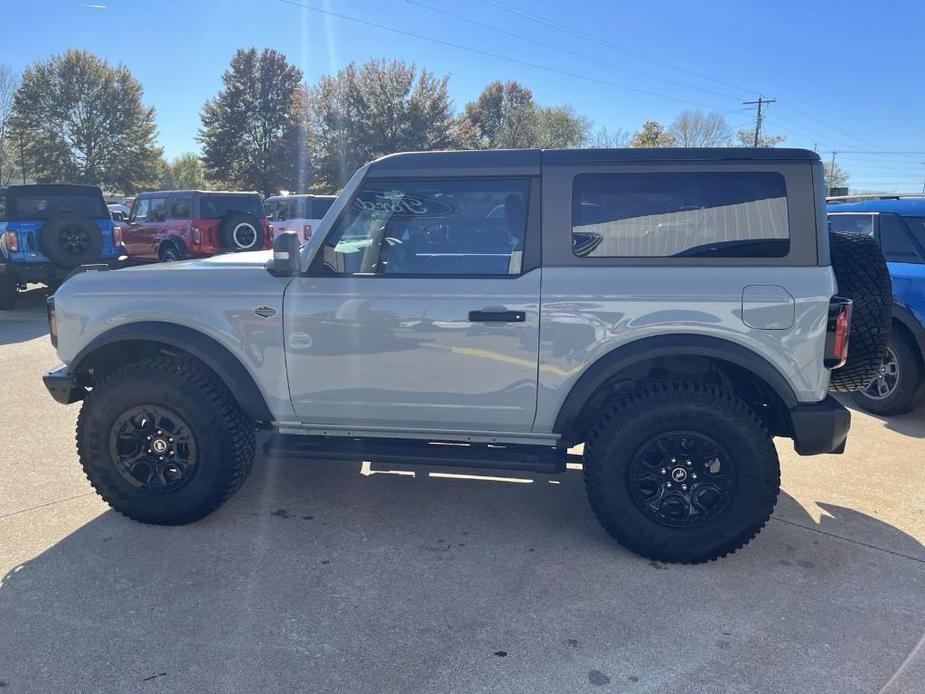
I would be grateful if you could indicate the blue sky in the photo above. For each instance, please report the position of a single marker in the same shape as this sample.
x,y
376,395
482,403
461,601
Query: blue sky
x,y
845,79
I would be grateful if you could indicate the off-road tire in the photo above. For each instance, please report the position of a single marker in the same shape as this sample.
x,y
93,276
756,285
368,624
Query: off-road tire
x,y
658,407
909,386
863,277
57,235
237,229
169,253
9,290
224,437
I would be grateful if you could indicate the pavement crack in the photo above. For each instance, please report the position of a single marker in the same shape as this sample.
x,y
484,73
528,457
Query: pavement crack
x,y
848,539
50,503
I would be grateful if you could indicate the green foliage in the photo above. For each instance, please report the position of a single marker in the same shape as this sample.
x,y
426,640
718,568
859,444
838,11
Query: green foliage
x,y
502,117
9,83
364,112
253,131
746,138
652,134
838,179
81,120
560,127
184,172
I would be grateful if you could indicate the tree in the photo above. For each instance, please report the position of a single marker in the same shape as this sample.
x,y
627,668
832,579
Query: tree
x,y
502,117
701,129
835,177
252,131
184,172
364,112
81,120
652,134
746,138
9,82
610,139
560,127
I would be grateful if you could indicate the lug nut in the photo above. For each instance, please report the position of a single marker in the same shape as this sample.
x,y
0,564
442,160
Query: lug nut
x,y
668,485
694,476
688,463
683,487
149,438
664,471
674,460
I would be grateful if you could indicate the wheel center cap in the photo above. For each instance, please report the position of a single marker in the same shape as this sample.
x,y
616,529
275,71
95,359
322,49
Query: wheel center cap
x,y
679,474
159,446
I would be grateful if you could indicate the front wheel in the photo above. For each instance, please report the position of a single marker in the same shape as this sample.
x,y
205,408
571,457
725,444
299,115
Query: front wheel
x,y
897,387
679,471
163,441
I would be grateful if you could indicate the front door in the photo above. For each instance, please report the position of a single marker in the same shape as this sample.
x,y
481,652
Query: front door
x,y
419,311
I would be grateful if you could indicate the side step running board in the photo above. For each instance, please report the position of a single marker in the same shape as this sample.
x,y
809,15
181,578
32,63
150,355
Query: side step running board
x,y
541,459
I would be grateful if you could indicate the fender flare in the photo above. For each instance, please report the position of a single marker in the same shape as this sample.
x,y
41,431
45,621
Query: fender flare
x,y
621,358
199,345
903,315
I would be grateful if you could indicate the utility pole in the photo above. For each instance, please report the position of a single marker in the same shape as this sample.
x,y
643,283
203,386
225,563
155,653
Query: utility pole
x,y
760,102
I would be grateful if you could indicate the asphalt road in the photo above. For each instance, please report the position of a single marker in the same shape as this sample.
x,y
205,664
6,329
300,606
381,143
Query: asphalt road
x,y
318,577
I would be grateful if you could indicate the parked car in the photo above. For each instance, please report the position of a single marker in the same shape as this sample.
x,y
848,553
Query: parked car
x,y
48,230
898,226
417,327
299,213
172,225
119,211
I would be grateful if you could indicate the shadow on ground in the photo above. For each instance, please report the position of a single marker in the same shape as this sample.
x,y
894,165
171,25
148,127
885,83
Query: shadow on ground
x,y
318,577
27,320
911,424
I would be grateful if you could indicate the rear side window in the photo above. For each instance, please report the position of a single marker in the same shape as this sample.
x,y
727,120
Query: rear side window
x,y
158,210
181,207
852,223
44,206
681,214
320,207
896,241
217,206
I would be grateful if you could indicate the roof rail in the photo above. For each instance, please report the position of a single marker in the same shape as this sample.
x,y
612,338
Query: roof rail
x,y
872,196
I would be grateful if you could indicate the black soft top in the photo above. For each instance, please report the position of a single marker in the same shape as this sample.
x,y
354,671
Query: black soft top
x,y
52,189
515,158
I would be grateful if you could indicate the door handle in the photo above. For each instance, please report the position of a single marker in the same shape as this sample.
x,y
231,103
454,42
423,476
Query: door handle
x,y
497,316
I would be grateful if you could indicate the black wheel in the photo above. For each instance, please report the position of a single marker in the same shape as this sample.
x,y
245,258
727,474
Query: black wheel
x,y
241,232
896,389
9,290
70,241
169,254
863,277
681,472
163,441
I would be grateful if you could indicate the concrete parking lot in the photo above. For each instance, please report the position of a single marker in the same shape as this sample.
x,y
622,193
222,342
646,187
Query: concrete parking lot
x,y
333,577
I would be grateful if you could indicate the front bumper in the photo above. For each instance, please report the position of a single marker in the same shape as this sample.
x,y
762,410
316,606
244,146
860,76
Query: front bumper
x,y
64,386
820,427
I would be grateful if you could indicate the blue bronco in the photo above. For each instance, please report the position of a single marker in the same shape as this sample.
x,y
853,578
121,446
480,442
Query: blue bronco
x,y
48,230
898,225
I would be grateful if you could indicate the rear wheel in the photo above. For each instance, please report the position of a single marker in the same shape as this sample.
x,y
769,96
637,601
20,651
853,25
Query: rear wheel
x,y
897,387
9,289
681,472
163,441
169,254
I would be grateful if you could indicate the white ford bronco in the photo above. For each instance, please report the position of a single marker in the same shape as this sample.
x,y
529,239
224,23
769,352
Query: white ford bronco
x,y
672,310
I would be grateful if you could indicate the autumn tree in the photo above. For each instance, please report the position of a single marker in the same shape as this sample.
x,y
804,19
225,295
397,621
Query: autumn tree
x,y
81,120
700,129
366,111
652,134
184,172
560,127
503,116
605,138
746,138
253,130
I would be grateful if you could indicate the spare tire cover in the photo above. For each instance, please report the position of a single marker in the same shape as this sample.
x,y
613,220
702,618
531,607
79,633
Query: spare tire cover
x,y
70,241
863,277
241,232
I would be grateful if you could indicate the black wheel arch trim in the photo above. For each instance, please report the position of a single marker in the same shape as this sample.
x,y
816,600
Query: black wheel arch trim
x,y
904,316
199,345
621,358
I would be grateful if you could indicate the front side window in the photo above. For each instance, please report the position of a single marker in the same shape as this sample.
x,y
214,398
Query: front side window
x,y
431,227
140,211
158,210
680,215
852,223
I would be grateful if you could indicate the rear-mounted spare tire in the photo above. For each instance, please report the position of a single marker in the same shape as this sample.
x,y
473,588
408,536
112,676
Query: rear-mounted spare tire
x,y
863,277
70,241
241,232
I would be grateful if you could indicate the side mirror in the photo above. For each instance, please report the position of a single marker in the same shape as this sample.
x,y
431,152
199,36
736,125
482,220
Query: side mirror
x,y
286,259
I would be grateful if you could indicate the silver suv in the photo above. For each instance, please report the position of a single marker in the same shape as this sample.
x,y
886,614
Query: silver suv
x,y
672,310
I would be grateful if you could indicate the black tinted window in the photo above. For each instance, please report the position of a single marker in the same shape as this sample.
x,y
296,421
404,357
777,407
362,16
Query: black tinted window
x,y
852,223
320,207
2,207
731,215
217,206
896,241
181,207
44,206
158,210
434,227
917,227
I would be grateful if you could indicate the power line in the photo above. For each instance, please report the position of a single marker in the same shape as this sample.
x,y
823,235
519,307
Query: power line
x,y
560,49
761,100
489,54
